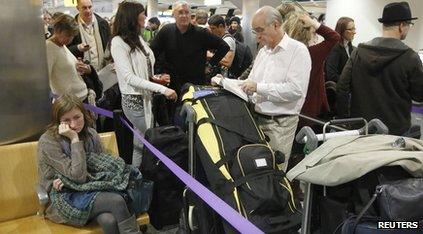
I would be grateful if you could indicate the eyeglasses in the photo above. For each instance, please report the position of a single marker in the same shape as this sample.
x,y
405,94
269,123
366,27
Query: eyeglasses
x,y
410,23
259,30
183,13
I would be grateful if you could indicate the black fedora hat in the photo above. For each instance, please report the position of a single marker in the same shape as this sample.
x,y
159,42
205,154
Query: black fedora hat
x,y
395,12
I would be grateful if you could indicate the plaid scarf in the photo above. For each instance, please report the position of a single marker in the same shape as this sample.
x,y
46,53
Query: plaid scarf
x,y
105,173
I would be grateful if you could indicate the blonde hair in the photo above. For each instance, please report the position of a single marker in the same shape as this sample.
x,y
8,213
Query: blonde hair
x,y
285,9
295,28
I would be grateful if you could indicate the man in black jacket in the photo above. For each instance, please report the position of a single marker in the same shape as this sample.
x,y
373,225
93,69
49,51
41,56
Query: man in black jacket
x,y
384,75
94,34
181,49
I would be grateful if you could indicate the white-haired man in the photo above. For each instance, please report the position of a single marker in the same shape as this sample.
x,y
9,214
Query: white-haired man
x,y
278,81
181,49
184,48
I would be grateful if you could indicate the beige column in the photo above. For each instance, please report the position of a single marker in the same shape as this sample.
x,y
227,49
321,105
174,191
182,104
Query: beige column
x,y
249,7
152,8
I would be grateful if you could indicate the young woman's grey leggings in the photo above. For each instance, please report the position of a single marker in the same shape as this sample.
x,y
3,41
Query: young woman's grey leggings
x,y
108,210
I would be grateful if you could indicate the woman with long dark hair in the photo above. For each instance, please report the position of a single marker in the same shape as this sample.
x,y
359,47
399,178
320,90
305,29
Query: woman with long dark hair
x,y
235,28
134,63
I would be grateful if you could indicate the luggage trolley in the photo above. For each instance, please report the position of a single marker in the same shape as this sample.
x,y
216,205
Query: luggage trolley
x,y
307,136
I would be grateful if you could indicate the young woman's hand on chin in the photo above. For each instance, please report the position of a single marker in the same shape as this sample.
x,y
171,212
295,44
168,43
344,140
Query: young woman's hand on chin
x,y
66,131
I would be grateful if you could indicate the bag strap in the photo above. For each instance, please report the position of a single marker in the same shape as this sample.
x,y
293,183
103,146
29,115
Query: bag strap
x,y
228,35
227,128
223,161
287,222
217,92
228,188
364,197
372,200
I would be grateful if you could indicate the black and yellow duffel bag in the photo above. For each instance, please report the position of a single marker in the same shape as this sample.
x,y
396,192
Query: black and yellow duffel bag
x,y
238,163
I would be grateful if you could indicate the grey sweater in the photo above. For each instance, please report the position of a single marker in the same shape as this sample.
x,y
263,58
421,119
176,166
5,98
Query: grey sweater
x,y
51,158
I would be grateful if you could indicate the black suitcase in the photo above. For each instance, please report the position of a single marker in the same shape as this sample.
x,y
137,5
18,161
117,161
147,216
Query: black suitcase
x,y
167,193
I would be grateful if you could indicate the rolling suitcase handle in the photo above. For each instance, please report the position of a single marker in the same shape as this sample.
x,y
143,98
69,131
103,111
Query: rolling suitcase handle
x,y
191,225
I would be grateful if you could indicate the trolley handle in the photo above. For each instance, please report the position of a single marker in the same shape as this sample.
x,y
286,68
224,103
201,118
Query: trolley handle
x,y
344,121
188,113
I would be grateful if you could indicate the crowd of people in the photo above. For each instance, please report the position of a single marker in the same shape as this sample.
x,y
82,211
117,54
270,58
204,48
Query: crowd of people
x,y
303,66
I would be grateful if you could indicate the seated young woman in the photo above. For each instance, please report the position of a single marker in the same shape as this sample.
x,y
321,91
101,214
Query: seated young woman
x,y
84,183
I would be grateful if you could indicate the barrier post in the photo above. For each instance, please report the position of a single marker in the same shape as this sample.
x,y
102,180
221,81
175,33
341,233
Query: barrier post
x,y
124,137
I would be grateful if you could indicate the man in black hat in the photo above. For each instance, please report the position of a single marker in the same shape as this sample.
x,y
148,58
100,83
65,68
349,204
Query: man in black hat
x,y
384,75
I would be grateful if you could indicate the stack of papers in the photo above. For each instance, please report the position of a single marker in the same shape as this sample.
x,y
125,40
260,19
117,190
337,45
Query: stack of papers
x,y
107,76
231,85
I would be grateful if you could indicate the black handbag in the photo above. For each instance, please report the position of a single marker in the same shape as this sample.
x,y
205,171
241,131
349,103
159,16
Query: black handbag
x,y
399,200
369,225
402,200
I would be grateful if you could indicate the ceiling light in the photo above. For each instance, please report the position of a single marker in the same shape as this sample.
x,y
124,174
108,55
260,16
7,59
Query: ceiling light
x,y
212,2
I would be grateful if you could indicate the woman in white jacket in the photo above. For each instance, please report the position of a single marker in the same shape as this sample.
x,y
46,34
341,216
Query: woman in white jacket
x,y
134,62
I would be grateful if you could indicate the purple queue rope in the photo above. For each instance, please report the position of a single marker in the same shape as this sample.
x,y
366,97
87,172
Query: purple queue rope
x,y
99,110
416,109
228,213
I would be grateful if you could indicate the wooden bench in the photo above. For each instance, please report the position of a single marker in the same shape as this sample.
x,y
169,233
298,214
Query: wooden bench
x,y
18,198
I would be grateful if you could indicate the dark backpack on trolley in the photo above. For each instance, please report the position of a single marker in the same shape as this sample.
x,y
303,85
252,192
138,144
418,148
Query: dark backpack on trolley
x,y
167,193
242,60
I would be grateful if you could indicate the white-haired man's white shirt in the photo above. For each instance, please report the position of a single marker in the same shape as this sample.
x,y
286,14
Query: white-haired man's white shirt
x,y
282,75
